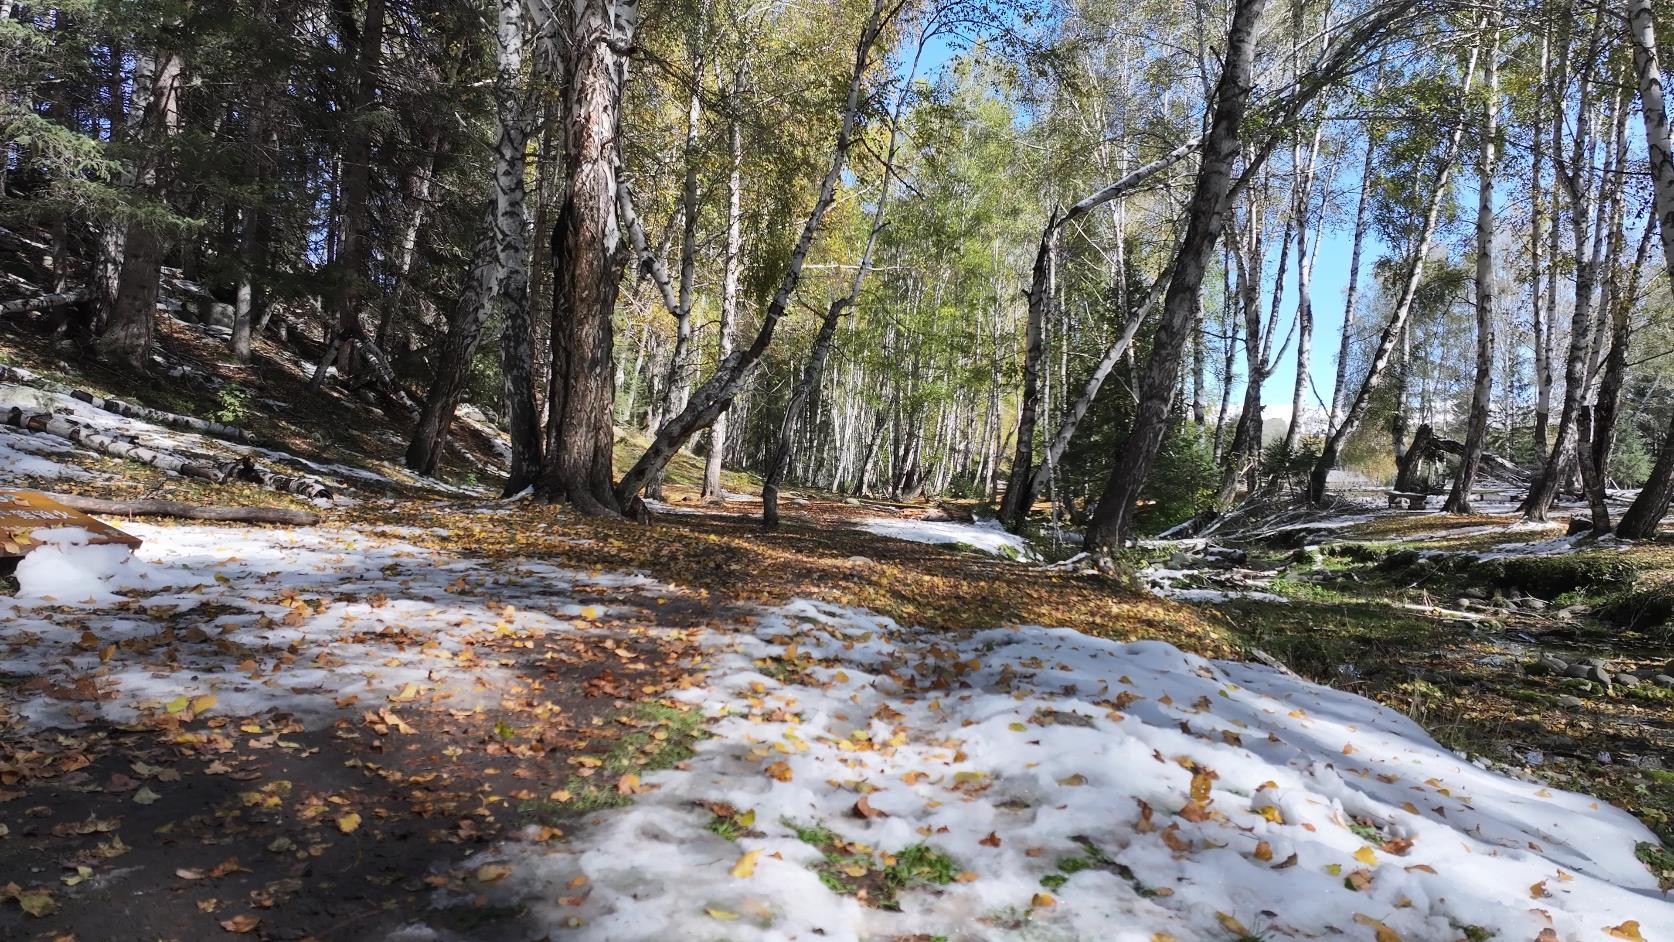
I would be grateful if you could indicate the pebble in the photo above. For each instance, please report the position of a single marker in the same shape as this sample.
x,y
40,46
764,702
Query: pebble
x,y
1571,701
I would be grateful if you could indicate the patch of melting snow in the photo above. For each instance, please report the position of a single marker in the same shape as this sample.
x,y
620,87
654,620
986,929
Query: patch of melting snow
x,y
1069,787
324,622
23,455
985,535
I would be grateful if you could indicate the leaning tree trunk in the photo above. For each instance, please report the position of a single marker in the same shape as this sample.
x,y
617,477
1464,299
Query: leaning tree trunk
x,y
1476,429
1072,419
1339,385
1016,504
588,257
717,393
453,365
1204,219
1020,486
1645,514
780,459
1355,413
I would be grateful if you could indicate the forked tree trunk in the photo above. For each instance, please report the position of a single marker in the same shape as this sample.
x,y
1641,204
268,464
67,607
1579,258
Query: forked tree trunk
x,y
1646,513
1072,419
1204,219
588,257
1482,389
1019,495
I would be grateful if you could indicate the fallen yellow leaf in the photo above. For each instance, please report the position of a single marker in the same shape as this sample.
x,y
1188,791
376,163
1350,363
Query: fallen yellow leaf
x,y
746,865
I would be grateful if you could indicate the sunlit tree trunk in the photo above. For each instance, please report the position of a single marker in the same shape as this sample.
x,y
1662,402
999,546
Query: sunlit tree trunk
x,y
1482,388
730,266
1646,513
588,257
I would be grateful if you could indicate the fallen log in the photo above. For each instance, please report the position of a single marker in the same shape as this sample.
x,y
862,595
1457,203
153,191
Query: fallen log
x,y
246,469
242,469
86,437
23,377
42,302
174,508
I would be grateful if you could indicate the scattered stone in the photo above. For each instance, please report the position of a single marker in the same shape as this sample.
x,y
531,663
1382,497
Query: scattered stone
x,y
852,501
1531,604
1626,679
1571,701
1181,561
1476,592
1577,670
1665,681
1599,675
859,561
1547,664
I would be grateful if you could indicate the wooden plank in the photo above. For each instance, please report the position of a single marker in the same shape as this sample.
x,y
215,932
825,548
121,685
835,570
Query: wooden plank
x,y
23,512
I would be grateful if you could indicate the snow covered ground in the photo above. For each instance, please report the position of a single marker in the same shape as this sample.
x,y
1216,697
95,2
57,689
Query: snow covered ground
x,y
1011,784
987,535
315,622
1034,783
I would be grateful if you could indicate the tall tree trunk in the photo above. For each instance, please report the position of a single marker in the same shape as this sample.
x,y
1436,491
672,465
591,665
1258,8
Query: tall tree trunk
x,y
514,111
679,384
588,257
1304,298
1482,389
1204,218
128,332
352,264
1013,508
1357,407
1339,386
712,490
1645,515
1576,180
1539,313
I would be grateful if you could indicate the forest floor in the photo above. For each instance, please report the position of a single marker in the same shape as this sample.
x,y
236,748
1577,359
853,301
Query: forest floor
x,y
437,715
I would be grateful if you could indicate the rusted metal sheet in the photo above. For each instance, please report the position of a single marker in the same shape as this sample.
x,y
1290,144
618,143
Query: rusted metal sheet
x,y
23,512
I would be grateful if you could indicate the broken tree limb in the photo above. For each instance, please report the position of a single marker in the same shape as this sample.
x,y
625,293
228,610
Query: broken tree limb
x,y
86,437
174,508
23,377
